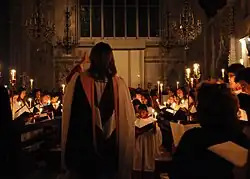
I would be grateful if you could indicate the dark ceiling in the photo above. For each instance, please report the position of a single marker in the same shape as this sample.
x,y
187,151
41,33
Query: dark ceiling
x,y
212,6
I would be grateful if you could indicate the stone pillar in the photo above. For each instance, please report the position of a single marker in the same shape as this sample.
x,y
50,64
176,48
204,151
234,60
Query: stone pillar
x,y
232,53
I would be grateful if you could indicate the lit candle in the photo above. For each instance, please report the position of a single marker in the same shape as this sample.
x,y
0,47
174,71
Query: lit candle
x,y
41,110
196,68
192,82
30,100
223,73
5,86
13,76
48,102
63,87
157,100
31,83
182,101
153,111
177,84
161,86
188,71
165,103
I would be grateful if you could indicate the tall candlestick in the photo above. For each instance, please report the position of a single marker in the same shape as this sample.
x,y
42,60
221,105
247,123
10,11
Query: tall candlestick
x,y
177,84
223,73
31,83
13,76
196,68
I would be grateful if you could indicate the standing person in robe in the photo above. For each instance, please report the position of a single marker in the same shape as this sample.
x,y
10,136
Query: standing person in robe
x,y
8,139
98,121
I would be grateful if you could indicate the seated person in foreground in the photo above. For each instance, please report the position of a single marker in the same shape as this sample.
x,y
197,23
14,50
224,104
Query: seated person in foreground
x,y
197,155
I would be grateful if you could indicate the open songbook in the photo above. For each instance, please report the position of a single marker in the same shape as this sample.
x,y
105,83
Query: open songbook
x,y
231,152
144,125
243,115
19,111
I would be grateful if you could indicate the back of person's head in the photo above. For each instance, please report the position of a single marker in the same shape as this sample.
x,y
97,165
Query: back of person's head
x,y
102,63
235,68
143,107
243,75
217,107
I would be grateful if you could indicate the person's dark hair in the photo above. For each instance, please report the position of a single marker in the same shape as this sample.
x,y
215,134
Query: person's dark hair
x,y
243,75
102,61
217,108
143,107
235,68
136,102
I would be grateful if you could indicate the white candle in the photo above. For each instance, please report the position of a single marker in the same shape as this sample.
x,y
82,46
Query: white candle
x,y
158,85
13,75
192,82
31,83
223,73
188,71
161,86
63,87
177,84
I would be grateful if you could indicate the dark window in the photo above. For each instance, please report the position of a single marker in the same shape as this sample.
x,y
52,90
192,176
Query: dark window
x,y
131,21
143,21
131,2
119,21
154,21
143,3
154,3
96,21
96,2
108,21
84,2
107,2
85,21
119,3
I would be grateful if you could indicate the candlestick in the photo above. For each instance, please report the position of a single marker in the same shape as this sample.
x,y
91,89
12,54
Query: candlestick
x,y
31,83
223,73
63,88
177,84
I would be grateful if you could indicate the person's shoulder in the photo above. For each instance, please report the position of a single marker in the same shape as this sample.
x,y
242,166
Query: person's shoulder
x,y
193,133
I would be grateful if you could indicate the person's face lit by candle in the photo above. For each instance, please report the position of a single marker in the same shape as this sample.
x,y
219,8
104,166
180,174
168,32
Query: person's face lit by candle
x,y
46,99
22,94
180,93
38,94
231,78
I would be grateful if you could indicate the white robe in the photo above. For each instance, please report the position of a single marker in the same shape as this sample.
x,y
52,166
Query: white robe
x,y
126,118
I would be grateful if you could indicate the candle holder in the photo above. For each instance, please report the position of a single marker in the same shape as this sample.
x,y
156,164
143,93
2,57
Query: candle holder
x,y
192,78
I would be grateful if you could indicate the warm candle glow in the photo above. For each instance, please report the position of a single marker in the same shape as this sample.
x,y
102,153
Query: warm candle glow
x,y
188,71
13,74
223,73
192,82
155,114
31,83
165,103
177,84
63,87
196,68
161,87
